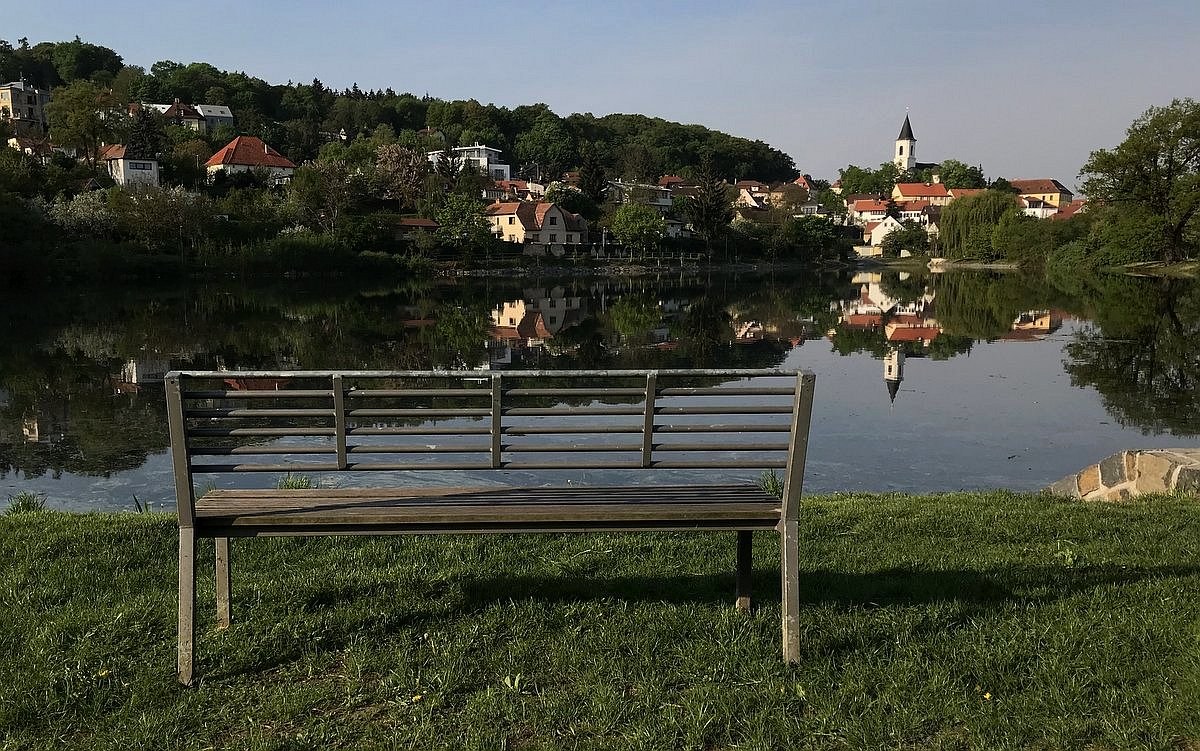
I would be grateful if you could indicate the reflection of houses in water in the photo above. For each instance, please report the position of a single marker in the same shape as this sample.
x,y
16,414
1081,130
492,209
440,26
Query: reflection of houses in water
x,y
531,322
1034,325
136,373
46,426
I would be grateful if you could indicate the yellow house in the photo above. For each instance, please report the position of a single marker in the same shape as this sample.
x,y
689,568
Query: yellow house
x,y
1049,190
935,193
541,222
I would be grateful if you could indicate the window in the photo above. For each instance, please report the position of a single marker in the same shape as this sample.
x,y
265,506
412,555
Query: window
x,y
553,237
554,220
140,166
901,151
512,219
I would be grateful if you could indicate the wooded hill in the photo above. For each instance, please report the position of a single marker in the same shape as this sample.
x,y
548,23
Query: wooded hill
x,y
299,118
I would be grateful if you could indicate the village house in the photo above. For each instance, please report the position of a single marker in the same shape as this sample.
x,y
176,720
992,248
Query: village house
x,y
1044,189
541,222
126,171
248,153
875,232
1037,208
654,196
936,193
182,115
1071,209
215,115
483,158
25,105
867,210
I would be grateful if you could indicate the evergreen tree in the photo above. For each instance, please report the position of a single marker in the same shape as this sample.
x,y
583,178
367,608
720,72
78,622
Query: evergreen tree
x,y
146,136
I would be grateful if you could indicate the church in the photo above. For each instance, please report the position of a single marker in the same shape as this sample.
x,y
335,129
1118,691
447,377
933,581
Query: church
x,y
905,155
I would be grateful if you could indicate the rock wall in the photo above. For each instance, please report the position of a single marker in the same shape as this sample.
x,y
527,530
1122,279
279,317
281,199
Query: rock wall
x,y
1131,473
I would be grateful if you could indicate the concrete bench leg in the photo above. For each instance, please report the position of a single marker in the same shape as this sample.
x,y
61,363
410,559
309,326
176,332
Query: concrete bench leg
x,y
745,539
223,605
789,541
187,604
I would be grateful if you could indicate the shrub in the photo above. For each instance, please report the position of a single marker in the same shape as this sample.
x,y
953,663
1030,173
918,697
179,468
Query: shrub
x,y
25,503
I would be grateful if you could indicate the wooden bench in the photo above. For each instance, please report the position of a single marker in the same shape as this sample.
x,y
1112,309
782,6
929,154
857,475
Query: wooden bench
x,y
528,451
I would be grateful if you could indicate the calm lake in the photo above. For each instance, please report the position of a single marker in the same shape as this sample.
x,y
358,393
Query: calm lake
x,y
924,382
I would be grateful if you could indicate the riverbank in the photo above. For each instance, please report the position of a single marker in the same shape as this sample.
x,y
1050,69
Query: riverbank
x,y
985,620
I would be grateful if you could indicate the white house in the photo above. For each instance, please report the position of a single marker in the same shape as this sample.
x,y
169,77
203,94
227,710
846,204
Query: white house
x,y
126,171
876,231
483,158
247,153
654,196
214,115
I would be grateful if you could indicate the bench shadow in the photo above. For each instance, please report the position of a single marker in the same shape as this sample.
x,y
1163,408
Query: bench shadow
x,y
980,589
1029,584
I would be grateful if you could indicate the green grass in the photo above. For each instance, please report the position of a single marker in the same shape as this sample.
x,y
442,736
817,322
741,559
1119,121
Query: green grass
x,y
25,503
964,621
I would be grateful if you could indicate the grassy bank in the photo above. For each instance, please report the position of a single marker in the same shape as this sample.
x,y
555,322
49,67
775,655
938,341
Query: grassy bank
x,y
957,621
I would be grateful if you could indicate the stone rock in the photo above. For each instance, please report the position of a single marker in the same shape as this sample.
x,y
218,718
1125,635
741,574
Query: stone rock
x,y
1188,480
1065,487
1154,473
1112,470
1089,481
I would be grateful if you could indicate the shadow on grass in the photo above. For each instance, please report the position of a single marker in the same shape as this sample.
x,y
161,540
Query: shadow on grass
x,y
1029,584
981,589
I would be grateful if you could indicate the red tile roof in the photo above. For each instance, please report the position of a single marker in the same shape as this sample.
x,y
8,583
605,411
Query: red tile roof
x,y
1070,210
920,205
804,181
1040,185
923,190
964,192
181,111
111,152
912,334
248,151
869,204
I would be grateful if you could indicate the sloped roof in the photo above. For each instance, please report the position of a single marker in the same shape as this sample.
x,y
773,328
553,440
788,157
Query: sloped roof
x,y
1070,210
249,151
923,190
214,110
112,151
182,111
964,192
869,204
918,205
532,215
1039,185
906,133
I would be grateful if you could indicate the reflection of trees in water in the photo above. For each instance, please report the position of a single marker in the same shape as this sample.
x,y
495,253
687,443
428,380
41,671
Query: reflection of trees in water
x,y
1143,355
58,360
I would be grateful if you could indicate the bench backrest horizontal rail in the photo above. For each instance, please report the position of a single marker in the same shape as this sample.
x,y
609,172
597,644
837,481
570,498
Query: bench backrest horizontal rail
x,y
353,421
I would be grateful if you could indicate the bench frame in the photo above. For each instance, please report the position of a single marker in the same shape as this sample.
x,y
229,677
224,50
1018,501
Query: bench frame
x,y
193,524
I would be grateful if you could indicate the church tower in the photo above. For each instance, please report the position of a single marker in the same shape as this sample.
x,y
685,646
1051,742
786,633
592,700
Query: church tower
x,y
905,158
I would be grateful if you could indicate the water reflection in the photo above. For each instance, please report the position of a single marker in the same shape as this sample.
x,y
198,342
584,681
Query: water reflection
x,y
80,378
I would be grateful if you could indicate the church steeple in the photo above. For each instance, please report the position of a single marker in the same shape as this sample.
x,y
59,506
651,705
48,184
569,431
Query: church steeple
x,y
905,157
893,371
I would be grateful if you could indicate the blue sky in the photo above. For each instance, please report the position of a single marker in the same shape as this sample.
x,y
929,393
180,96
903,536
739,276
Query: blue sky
x,y
1026,90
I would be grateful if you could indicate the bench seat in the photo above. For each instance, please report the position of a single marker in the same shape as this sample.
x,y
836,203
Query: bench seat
x,y
325,511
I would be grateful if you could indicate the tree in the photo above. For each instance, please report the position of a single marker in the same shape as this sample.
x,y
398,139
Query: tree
x,y
911,237
400,172
572,200
82,115
955,174
1156,171
326,190
592,180
710,211
548,146
966,227
639,228
146,137
805,238
461,224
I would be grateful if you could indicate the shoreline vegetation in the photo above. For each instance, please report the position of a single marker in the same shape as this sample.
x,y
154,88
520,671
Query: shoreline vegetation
x,y
986,620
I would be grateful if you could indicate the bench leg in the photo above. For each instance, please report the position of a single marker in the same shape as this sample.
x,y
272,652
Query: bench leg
x,y
187,604
223,606
744,567
789,542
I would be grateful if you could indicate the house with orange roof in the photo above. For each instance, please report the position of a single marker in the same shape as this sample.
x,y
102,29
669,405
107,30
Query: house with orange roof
x,y
250,154
541,222
127,171
867,210
1045,189
957,193
936,193
1071,209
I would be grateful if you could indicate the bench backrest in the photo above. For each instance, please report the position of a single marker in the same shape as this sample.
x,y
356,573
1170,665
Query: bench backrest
x,y
406,421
